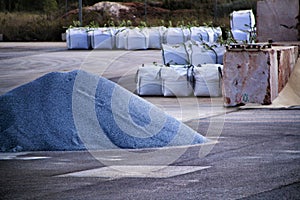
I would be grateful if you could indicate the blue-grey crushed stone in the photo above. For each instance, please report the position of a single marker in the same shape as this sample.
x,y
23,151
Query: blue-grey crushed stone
x,y
37,116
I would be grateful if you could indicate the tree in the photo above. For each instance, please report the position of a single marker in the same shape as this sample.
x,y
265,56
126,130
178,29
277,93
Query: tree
x,y
50,6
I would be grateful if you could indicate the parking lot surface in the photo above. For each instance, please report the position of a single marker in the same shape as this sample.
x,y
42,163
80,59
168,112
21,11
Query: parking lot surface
x,y
254,153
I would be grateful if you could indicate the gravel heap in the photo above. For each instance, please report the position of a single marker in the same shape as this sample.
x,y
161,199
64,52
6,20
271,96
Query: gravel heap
x,y
77,111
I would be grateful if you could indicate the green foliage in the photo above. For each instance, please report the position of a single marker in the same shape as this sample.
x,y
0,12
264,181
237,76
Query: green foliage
x,y
93,24
29,27
75,23
129,23
228,38
143,24
50,6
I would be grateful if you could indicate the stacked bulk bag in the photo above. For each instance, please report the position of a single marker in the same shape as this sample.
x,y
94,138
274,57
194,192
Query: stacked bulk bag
x,y
103,38
155,37
192,52
149,80
208,79
175,54
240,36
176,35
136,38
242,20
176,81
242,23
77,38
200,53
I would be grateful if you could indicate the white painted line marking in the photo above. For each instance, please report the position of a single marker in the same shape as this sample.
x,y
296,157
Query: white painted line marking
x,y
19,156
136,171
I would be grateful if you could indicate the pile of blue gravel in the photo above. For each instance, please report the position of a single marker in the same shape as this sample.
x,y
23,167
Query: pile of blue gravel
x,y
78,111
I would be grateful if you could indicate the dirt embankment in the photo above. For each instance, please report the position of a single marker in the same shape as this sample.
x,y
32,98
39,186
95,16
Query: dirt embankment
x,y
135,12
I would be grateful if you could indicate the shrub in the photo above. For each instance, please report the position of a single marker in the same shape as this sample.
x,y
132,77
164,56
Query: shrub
x,y
29,27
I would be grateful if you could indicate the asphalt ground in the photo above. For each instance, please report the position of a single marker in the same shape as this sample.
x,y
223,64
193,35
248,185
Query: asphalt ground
x,y
254,153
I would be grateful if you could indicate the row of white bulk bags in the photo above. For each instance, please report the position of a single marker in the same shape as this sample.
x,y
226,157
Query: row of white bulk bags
x,y
192,52
175,35
150,38
141,38
242,22
78,38
108,38
206,34
208,80
180,80
137,38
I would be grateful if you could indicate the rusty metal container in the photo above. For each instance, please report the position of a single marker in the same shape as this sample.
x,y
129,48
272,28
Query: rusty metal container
x,y
256,76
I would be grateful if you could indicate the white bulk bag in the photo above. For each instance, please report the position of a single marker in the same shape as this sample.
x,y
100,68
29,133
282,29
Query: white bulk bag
x,y
220,51
207,79
176,35
242,20
175,54
206,34
77,38
176,81
211,34
155,37
202,34
120,38
200,54
240,35
199,34
137,39
102,38
149,81
217,33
